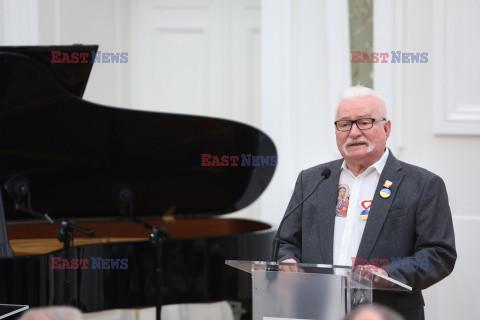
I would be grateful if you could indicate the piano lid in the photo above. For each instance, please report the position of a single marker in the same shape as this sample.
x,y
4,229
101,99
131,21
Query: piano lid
x,y
74,152
74,77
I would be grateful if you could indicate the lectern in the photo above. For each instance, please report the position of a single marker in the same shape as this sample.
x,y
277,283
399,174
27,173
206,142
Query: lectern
x,y
312,291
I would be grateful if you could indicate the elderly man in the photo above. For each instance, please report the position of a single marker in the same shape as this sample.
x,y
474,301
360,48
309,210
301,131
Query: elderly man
x,y
374,210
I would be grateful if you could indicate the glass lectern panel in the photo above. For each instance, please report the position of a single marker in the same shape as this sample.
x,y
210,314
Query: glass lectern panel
x,y
298,296
309,291
353,273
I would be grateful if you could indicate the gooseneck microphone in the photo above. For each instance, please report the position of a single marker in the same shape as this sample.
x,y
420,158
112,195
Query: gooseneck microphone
x,y
276,242
123,194
18,188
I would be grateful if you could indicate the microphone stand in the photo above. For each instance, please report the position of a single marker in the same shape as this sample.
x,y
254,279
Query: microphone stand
x,y
156,238
276,242
123,194
65,235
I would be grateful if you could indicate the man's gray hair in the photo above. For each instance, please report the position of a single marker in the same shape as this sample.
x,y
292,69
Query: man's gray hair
x,y
360,91
53,313
384,312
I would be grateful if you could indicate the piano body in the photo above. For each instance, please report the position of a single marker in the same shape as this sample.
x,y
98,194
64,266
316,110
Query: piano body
x,y
74,153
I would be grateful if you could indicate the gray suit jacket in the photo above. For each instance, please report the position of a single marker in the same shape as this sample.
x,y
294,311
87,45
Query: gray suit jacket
x,y
414,223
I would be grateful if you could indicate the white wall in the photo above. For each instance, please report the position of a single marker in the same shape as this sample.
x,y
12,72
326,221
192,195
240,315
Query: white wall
x,y
452,156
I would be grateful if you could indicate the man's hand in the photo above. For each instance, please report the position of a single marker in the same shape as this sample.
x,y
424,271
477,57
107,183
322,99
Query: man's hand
x,y
290,268
377,281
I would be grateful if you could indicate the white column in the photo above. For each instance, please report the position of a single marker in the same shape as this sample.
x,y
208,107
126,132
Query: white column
x,y
275,88
388,36
304,65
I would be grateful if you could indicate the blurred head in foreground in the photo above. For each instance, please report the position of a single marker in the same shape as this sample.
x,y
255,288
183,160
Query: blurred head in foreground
x,y
52,313
373,312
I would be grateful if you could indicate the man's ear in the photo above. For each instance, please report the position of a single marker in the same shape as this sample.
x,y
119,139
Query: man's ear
x,y
388,128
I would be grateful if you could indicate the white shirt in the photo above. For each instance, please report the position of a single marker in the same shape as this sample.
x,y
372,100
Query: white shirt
x,y
355,195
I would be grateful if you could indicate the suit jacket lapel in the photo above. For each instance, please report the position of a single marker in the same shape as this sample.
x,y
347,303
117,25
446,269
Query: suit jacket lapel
x,y
380,206
326,217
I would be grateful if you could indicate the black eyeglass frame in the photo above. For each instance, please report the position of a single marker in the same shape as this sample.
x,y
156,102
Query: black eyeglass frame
x,y
356,123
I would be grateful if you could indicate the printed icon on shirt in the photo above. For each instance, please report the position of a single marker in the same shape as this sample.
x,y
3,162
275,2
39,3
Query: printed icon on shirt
x,y
366,206
342,200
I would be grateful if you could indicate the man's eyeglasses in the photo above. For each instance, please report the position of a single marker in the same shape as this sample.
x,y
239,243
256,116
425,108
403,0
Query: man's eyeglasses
x,y
362,124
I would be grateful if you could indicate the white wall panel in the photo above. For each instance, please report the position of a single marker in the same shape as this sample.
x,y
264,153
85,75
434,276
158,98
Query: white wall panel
x,y
209,58
244,50
180,64
20,22
451,156
2,22
457,67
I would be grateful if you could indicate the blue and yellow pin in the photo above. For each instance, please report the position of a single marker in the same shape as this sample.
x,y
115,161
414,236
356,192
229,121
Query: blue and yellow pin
x,y
386,192
364,214
366,205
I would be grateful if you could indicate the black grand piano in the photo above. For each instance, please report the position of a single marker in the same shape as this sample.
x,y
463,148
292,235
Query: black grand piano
x,y
75,154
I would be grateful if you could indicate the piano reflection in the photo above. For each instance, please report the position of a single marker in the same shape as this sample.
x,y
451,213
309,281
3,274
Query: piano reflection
x,y
75,154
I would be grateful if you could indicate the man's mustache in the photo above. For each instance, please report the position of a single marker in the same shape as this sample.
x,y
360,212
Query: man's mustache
x,y
361,139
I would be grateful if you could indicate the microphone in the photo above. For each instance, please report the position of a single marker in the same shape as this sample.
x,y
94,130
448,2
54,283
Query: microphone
x,y
276,242
122,194
19,189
